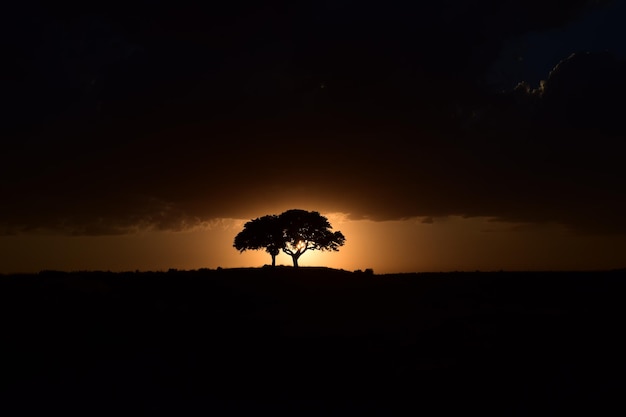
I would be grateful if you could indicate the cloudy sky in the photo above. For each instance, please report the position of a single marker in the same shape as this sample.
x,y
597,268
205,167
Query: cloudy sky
x,y
436,136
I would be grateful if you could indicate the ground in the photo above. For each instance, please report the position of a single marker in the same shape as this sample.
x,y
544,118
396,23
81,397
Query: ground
x,y
312,341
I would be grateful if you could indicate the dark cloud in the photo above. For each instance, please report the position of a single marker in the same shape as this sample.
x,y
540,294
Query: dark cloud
x,y
139,114
557,148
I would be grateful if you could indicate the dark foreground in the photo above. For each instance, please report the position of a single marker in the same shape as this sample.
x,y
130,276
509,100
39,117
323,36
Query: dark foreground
x,y
313,342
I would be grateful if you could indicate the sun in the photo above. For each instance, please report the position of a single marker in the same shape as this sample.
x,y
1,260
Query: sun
x,y
301,245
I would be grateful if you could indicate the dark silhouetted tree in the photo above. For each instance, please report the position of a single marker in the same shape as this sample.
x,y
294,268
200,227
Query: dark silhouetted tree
x,y
294,231
307,230
261,233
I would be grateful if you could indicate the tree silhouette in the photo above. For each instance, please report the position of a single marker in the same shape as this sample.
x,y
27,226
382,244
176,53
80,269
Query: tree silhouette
x,y
294,231
308,230
261,233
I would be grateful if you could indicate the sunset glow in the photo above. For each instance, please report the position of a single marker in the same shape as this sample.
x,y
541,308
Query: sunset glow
x,y
393,246
146,140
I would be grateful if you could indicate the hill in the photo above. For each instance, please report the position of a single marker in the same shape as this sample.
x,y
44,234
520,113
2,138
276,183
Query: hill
x,y
312,341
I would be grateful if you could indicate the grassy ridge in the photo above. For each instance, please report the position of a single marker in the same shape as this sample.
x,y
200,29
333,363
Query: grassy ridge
x,y
312,341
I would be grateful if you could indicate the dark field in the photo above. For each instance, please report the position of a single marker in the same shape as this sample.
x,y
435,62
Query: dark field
x,y
313,342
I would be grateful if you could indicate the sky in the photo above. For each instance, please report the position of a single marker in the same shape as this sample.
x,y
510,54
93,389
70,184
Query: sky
x,y
435,136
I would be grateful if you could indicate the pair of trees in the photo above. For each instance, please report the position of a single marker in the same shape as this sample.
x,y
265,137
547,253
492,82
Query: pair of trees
x,y
294,232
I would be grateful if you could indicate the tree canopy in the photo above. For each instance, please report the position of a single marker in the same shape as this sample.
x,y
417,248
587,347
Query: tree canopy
x,y
261,233
294,232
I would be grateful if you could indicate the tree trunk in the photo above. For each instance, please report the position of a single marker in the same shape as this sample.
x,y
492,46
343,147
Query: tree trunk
x,y
273,260
295,260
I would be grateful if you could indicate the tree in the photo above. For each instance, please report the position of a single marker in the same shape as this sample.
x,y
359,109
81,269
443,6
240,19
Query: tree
x,y
307,230
261,233
294,232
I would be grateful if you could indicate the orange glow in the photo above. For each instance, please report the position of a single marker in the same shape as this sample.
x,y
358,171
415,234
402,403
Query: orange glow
x,y
454,243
